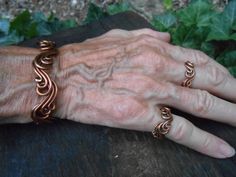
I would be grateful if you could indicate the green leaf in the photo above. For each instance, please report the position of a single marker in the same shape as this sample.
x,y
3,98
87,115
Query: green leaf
x,y
232,70
31,31
12,38
182,36
227,58
21,22
24,26
234,27
164,21
208,48
198,13
230,12
168,4
223,24
220,29
44,29
233,37
94,13
4,25
39,17
70,23
118,8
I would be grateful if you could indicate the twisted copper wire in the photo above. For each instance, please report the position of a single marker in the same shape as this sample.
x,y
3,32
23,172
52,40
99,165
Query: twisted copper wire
x,y
189,74
163,128
45,86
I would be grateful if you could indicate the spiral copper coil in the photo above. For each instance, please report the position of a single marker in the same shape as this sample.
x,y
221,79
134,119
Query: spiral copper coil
x,y
45,86
189,74
163,128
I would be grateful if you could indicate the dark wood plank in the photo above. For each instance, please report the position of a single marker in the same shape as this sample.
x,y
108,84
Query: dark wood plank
x,y
73,149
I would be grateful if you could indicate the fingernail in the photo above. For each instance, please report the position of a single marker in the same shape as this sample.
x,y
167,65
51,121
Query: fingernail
x,y
227,150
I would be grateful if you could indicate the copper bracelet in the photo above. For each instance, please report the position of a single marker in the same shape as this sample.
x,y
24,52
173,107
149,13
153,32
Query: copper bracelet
x,y
189,74
163,128
45,86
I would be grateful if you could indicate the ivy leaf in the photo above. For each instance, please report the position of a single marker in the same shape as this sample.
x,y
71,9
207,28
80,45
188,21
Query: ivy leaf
x,y
234,27
24,26
164,21
223,24
198,13
182,36
168,4
230,12
220,29
227,58
20,22
94,13
31,31
4,26
70,23
118,8
208,48
12,38
44,29
232,70
39,17
233,37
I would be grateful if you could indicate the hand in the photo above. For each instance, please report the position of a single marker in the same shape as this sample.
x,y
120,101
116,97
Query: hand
x,y
121,79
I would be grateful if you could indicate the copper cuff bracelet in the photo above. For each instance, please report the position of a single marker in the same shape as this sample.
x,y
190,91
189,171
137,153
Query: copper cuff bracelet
x,y
45,86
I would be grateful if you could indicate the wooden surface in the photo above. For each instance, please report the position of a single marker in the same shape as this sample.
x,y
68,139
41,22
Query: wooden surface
x,y
68,149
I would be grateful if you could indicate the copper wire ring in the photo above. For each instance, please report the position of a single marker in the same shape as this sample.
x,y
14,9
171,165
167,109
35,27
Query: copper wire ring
x,y
189,74
45,86
162,128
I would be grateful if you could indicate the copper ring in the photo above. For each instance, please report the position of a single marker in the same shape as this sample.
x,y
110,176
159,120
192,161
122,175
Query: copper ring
x,y
162,128
189,74
45,86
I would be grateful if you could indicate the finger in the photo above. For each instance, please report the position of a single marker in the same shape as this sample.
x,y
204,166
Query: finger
x,y
216,81
200,103
158,35
194,101
175,52
208,77
119,34
184,132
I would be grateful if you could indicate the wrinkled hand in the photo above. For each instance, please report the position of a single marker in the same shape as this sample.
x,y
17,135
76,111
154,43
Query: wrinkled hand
x,y
121,79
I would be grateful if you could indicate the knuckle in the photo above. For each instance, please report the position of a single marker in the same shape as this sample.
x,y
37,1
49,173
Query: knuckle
x,y
144,39
204,102
183,130
170,91
200,57
154,90
126,109
147,53
148,30
215,76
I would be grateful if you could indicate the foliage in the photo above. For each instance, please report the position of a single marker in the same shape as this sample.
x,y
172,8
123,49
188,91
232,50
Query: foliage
x,y
26,26
95,12
168,4
201,26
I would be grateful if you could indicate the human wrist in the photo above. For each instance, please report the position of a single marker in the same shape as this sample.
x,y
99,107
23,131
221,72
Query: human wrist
x,y
16,84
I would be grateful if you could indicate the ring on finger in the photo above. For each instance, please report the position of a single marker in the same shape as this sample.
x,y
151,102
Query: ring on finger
x,y
162,128
189,74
